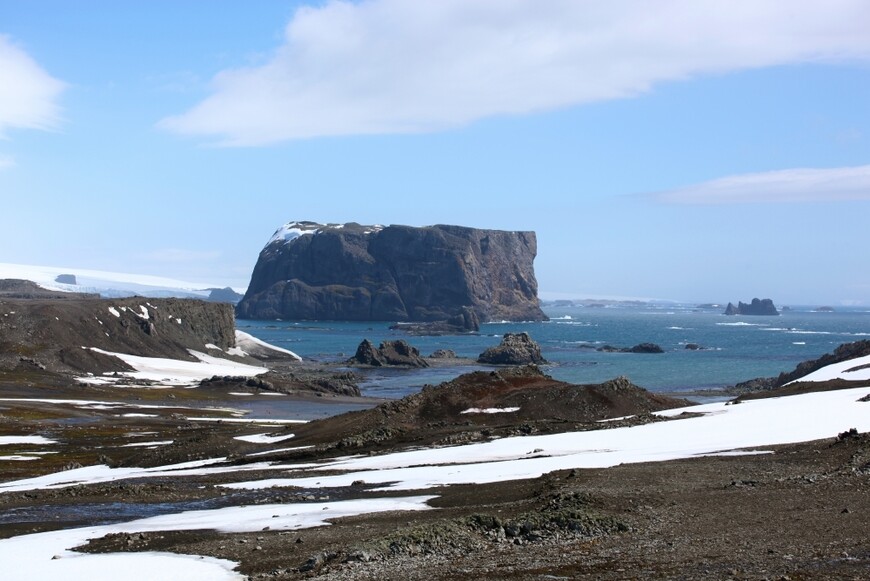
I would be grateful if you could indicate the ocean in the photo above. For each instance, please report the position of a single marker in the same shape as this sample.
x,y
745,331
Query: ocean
x,y
733,348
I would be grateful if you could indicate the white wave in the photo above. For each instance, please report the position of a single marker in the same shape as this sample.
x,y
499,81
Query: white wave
x,y
743,324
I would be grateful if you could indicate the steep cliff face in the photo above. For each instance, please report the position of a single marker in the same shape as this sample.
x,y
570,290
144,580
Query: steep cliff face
x,y
393,273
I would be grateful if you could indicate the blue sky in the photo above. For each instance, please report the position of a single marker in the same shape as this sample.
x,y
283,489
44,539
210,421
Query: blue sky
x,y
688,150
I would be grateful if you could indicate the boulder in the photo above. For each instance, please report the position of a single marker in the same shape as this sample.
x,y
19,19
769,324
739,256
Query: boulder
x,y
514,349
398,353
646,348
443,354
639,348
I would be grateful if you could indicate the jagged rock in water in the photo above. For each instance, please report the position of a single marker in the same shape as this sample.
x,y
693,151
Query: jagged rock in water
x,y
398,353
639,348
756,307
514,349
443,354
394,273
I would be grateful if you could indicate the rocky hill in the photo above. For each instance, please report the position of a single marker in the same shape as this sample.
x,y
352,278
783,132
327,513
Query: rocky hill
x,y
49,333
479,405
396,273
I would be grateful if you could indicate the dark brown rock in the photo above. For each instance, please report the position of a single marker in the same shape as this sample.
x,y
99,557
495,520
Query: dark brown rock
x,y
398,353
514,349
451,274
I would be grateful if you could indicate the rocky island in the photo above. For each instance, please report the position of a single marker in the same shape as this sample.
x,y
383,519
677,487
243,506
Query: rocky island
x,y
763,307
454,276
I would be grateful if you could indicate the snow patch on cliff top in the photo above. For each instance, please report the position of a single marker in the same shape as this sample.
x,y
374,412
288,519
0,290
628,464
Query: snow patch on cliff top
x,y
293,230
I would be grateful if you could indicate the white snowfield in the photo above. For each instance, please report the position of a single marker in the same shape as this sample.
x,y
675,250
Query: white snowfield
x,y
107,284
174,371
49,555
848,370
720,428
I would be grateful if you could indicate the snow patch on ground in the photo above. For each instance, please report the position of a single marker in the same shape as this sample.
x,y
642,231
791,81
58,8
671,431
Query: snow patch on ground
x,y
7,440
49,555
843,370
101,473
489,410
720,428
148,444
264,438
175,371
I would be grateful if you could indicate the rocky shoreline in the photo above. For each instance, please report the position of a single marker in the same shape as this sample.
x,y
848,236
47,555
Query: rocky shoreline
x,y
114,455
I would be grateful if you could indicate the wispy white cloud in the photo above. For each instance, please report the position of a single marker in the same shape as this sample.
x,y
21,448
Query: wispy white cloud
x,y
28,94
783,186
6,162
399,66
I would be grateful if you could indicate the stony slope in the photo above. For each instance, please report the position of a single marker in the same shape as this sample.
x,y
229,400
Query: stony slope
x,y
538,402
50,333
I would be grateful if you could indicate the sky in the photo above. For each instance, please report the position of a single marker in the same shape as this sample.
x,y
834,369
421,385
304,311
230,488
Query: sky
x,y
691,150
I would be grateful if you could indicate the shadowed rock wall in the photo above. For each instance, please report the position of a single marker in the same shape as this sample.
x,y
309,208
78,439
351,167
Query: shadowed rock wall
x,y
396,273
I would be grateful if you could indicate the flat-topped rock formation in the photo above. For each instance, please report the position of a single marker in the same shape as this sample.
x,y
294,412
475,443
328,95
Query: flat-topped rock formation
x,y
394,273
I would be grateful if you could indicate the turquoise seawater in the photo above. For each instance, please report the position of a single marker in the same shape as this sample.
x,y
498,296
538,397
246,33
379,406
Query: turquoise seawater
x,y
735,348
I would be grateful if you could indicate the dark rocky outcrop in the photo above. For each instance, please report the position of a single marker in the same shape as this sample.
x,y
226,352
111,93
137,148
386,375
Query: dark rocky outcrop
x,y
443,354
764,307
530,402
390,353
66,279
639,348
514,349
463,322
394,273
844,352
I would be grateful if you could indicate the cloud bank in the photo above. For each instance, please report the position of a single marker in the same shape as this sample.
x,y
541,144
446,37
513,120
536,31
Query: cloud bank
x,y
28,95
783,186
399,66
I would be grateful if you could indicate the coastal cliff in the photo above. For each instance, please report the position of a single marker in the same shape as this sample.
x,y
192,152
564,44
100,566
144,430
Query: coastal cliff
x,y
394,273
